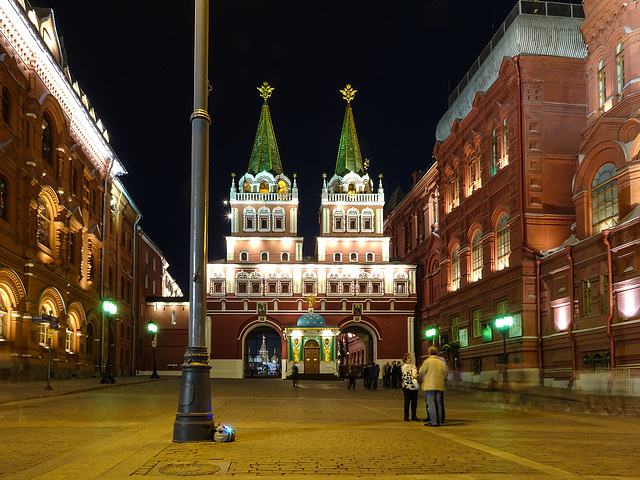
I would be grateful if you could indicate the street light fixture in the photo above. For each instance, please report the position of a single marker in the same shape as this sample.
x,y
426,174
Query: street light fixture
x,y
504,324
153,329
110,308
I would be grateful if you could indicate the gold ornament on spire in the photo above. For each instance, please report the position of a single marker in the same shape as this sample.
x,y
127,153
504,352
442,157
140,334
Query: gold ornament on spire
x,y
366,164
348,93
265,90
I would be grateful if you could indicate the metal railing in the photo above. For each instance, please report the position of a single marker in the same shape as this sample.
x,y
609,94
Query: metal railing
x,y
548,9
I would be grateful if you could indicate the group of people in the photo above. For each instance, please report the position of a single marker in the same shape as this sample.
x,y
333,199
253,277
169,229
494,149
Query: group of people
x,y
431,377
370,374
392,377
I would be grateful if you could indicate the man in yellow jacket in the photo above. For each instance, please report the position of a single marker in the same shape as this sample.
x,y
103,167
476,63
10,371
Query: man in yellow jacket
x,y
433,372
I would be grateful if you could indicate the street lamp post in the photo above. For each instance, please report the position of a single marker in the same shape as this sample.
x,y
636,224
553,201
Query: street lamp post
x,y
194,419
110,309
153,329
503,324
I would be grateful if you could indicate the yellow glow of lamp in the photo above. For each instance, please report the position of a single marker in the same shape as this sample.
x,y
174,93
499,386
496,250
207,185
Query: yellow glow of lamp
x,y
109,307
504,322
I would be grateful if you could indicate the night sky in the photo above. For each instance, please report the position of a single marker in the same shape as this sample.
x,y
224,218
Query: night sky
x,y
134,60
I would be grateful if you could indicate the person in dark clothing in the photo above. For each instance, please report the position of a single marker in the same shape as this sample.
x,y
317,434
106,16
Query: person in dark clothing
x,y
386,374
374,373
396,374
365,376
294,376
353,373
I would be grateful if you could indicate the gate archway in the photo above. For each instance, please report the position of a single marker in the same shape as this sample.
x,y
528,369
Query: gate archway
x,y
356,346
263,353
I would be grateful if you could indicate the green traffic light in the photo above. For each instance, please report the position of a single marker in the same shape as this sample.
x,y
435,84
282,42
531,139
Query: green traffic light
x,y
504,322
430,332
152,327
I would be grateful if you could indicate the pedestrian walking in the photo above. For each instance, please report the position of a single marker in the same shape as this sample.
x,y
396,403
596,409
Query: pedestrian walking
x,y
410,388
432,372
294,375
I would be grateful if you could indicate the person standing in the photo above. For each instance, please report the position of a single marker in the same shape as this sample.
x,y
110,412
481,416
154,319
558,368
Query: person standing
x,y
365,376
396,373
432,371
294,375
374,373
386,373
353,372
409,387
446,375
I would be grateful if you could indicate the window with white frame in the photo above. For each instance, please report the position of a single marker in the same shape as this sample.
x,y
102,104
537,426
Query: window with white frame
x,y
338,220
249,219
455,268
278,219
363,288
455,329
244,256
264,256
284,256
353,257
376,288
504,160
4,315
367,220
264,219
604,198
619,70
337,257
477,326
371,257
353,217
472,168
346,288
42,333
68,343
309,287
400,284
217,286
504,242
476,256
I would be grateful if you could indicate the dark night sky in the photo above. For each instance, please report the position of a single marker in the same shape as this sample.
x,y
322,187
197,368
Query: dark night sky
x,y
134,59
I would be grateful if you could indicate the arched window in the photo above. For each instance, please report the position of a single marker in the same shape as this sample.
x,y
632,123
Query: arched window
x,y
353,220
604,198
504,161
494,151
367,220
47,139
476,253
264,219
44,223
264,187
619,70
602,86
504,242
455,268
4,199
4,314
278,219
338,220
473,172
453,191
6,106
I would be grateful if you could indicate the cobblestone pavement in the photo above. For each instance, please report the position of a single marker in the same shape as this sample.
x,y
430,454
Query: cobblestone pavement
x,y
317,431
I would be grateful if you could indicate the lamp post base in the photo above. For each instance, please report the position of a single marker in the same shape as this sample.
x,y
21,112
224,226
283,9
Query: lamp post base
x,y
194,420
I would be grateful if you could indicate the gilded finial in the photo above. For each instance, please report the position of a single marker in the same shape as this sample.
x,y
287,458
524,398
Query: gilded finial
x,y
348,93
380,176
265,90
324,175
295,175
366,164
233,175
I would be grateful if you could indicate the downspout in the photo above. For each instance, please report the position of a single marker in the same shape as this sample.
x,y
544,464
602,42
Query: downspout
x,y
539,318
102,262
523,231
571,309
605,236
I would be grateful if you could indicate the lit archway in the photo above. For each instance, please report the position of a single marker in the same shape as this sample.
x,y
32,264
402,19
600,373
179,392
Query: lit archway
x,y
262,347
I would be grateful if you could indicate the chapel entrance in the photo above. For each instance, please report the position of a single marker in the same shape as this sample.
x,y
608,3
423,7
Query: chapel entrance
x,y
311,357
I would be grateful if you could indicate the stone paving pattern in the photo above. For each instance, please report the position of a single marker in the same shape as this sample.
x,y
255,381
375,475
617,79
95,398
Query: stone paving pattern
x,y
85,430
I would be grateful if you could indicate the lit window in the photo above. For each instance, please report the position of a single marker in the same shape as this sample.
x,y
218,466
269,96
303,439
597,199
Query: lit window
x,y
47,139
452,192
4,315
472,174
604,198
504,242
504,161
44,223
68,343
619,70
476,253
602,86
455,268
455,329
586,297
477,327
494,151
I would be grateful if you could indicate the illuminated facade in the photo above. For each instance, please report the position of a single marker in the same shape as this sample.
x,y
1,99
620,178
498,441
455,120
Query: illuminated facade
x,y
307,311
68,228
538,212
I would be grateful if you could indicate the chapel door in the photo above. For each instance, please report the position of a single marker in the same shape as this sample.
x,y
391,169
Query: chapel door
x,y
311,357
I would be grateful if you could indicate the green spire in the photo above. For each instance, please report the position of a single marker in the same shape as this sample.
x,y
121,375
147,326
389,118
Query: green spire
x,y
265,155
349,157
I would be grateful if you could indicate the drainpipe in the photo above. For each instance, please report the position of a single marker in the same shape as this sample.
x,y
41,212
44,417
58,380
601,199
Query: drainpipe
x,y
102,262
605,236
523,231
571,305
539,318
